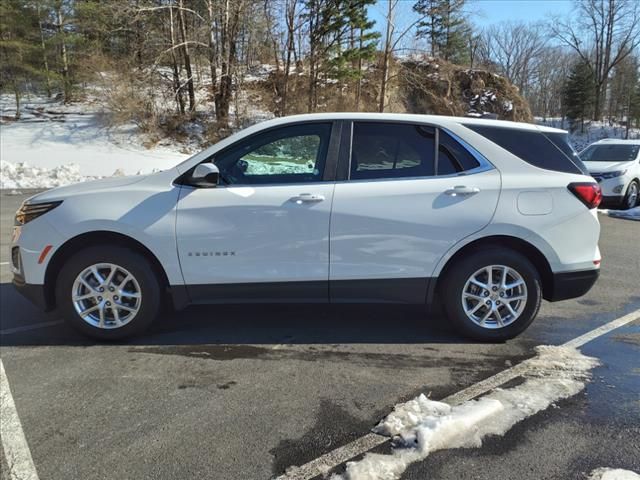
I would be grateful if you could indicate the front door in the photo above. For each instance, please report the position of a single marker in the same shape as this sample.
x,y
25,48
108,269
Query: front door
x,y
263,233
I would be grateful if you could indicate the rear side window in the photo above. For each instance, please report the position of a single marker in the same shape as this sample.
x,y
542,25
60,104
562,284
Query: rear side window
x,y
452,157
533,147
396,150
383,150
561,140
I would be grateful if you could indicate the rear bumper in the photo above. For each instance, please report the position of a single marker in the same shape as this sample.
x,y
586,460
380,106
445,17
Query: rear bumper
x,y
568,285
34,293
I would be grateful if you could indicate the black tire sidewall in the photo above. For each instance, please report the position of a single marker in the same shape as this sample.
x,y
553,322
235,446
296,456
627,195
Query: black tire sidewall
x,y
135,263
460,272
625,200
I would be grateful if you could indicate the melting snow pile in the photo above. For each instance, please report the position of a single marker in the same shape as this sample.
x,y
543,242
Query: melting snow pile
x,y
632,213
22,175
613,474
422,426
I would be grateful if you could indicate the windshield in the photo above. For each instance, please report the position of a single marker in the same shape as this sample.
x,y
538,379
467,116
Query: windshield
x,y
610,153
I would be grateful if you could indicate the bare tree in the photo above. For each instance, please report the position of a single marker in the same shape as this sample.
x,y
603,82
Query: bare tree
x,y
603,33
186,56
60,24
514,48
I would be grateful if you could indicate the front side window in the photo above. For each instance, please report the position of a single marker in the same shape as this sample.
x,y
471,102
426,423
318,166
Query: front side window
x,y
293,154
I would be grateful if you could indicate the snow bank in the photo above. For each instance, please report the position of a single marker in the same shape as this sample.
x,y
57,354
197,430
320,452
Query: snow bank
x,y
631,214
593,131
53,136
23,175
613,474
422,426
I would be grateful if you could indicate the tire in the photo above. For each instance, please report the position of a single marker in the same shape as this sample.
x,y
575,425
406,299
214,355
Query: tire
x,y
633,190
132,275
475,265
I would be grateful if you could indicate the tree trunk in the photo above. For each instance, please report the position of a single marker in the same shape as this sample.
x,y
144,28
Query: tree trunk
x,y
291,47
16,91
228,39
177,87
359,81
385,60
63,54
213,57
187,58
44,52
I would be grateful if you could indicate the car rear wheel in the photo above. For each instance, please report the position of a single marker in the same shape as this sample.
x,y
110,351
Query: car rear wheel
x,y
632,196
108,293
492,295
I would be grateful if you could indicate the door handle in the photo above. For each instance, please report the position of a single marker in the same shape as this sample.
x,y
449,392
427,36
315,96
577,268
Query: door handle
x,y
461,191
308,198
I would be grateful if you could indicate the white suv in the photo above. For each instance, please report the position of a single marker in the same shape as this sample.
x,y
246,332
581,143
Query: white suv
x,y
486,217
615,164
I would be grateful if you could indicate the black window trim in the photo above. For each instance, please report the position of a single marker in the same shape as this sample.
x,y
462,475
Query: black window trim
x,y
330,166
344,174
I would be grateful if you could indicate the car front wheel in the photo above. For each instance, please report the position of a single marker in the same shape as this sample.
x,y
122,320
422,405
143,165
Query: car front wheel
x,y
108,292
492,295
632,196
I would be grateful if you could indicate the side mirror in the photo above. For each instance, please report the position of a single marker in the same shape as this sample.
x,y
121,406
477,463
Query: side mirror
x,y
206,175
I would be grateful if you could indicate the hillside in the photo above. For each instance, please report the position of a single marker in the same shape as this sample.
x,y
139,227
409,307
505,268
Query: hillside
x,y
102,135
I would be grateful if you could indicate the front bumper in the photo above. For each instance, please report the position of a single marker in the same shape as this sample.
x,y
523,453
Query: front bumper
x,y
34,293
568,285
612,200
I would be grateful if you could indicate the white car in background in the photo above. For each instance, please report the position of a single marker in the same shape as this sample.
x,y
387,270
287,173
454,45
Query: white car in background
x,y
485,217
615,164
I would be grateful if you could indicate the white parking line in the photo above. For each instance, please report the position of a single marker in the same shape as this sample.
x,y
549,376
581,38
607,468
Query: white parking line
x,y
4,263
33,326
16,449
328,461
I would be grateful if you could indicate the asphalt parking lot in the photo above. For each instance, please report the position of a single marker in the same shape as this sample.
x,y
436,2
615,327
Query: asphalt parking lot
x,y
244,392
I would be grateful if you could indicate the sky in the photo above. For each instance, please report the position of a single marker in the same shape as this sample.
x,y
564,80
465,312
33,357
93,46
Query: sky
x,y
487,12
482,13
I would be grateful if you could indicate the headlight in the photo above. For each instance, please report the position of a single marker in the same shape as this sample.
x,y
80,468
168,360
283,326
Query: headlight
x,y
619,173
31,211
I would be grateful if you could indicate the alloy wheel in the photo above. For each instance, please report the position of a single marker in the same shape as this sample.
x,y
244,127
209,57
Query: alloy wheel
x,y
494,296
632,195
106,296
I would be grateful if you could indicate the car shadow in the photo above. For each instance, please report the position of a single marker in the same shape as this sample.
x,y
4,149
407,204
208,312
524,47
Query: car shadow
x,y
22,324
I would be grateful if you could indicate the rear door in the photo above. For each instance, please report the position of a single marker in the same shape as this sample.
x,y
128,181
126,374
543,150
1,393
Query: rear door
x,y
411,192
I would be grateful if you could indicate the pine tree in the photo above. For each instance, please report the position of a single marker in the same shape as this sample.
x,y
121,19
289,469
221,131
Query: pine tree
x,y
356,45
444,26
578,93
334,51
20,63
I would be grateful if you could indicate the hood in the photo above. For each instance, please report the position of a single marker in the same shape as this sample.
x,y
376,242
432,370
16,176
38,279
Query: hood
x,y
602,167
60,193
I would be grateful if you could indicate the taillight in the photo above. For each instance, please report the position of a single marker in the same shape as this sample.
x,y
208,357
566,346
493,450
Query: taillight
x,y
588,193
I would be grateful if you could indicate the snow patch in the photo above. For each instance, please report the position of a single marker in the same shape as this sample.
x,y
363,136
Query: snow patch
x,y
22,175
613,474
422,426
593,131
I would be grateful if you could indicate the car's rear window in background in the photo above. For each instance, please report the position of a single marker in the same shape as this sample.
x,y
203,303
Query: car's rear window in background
x,y
610,153
550,151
